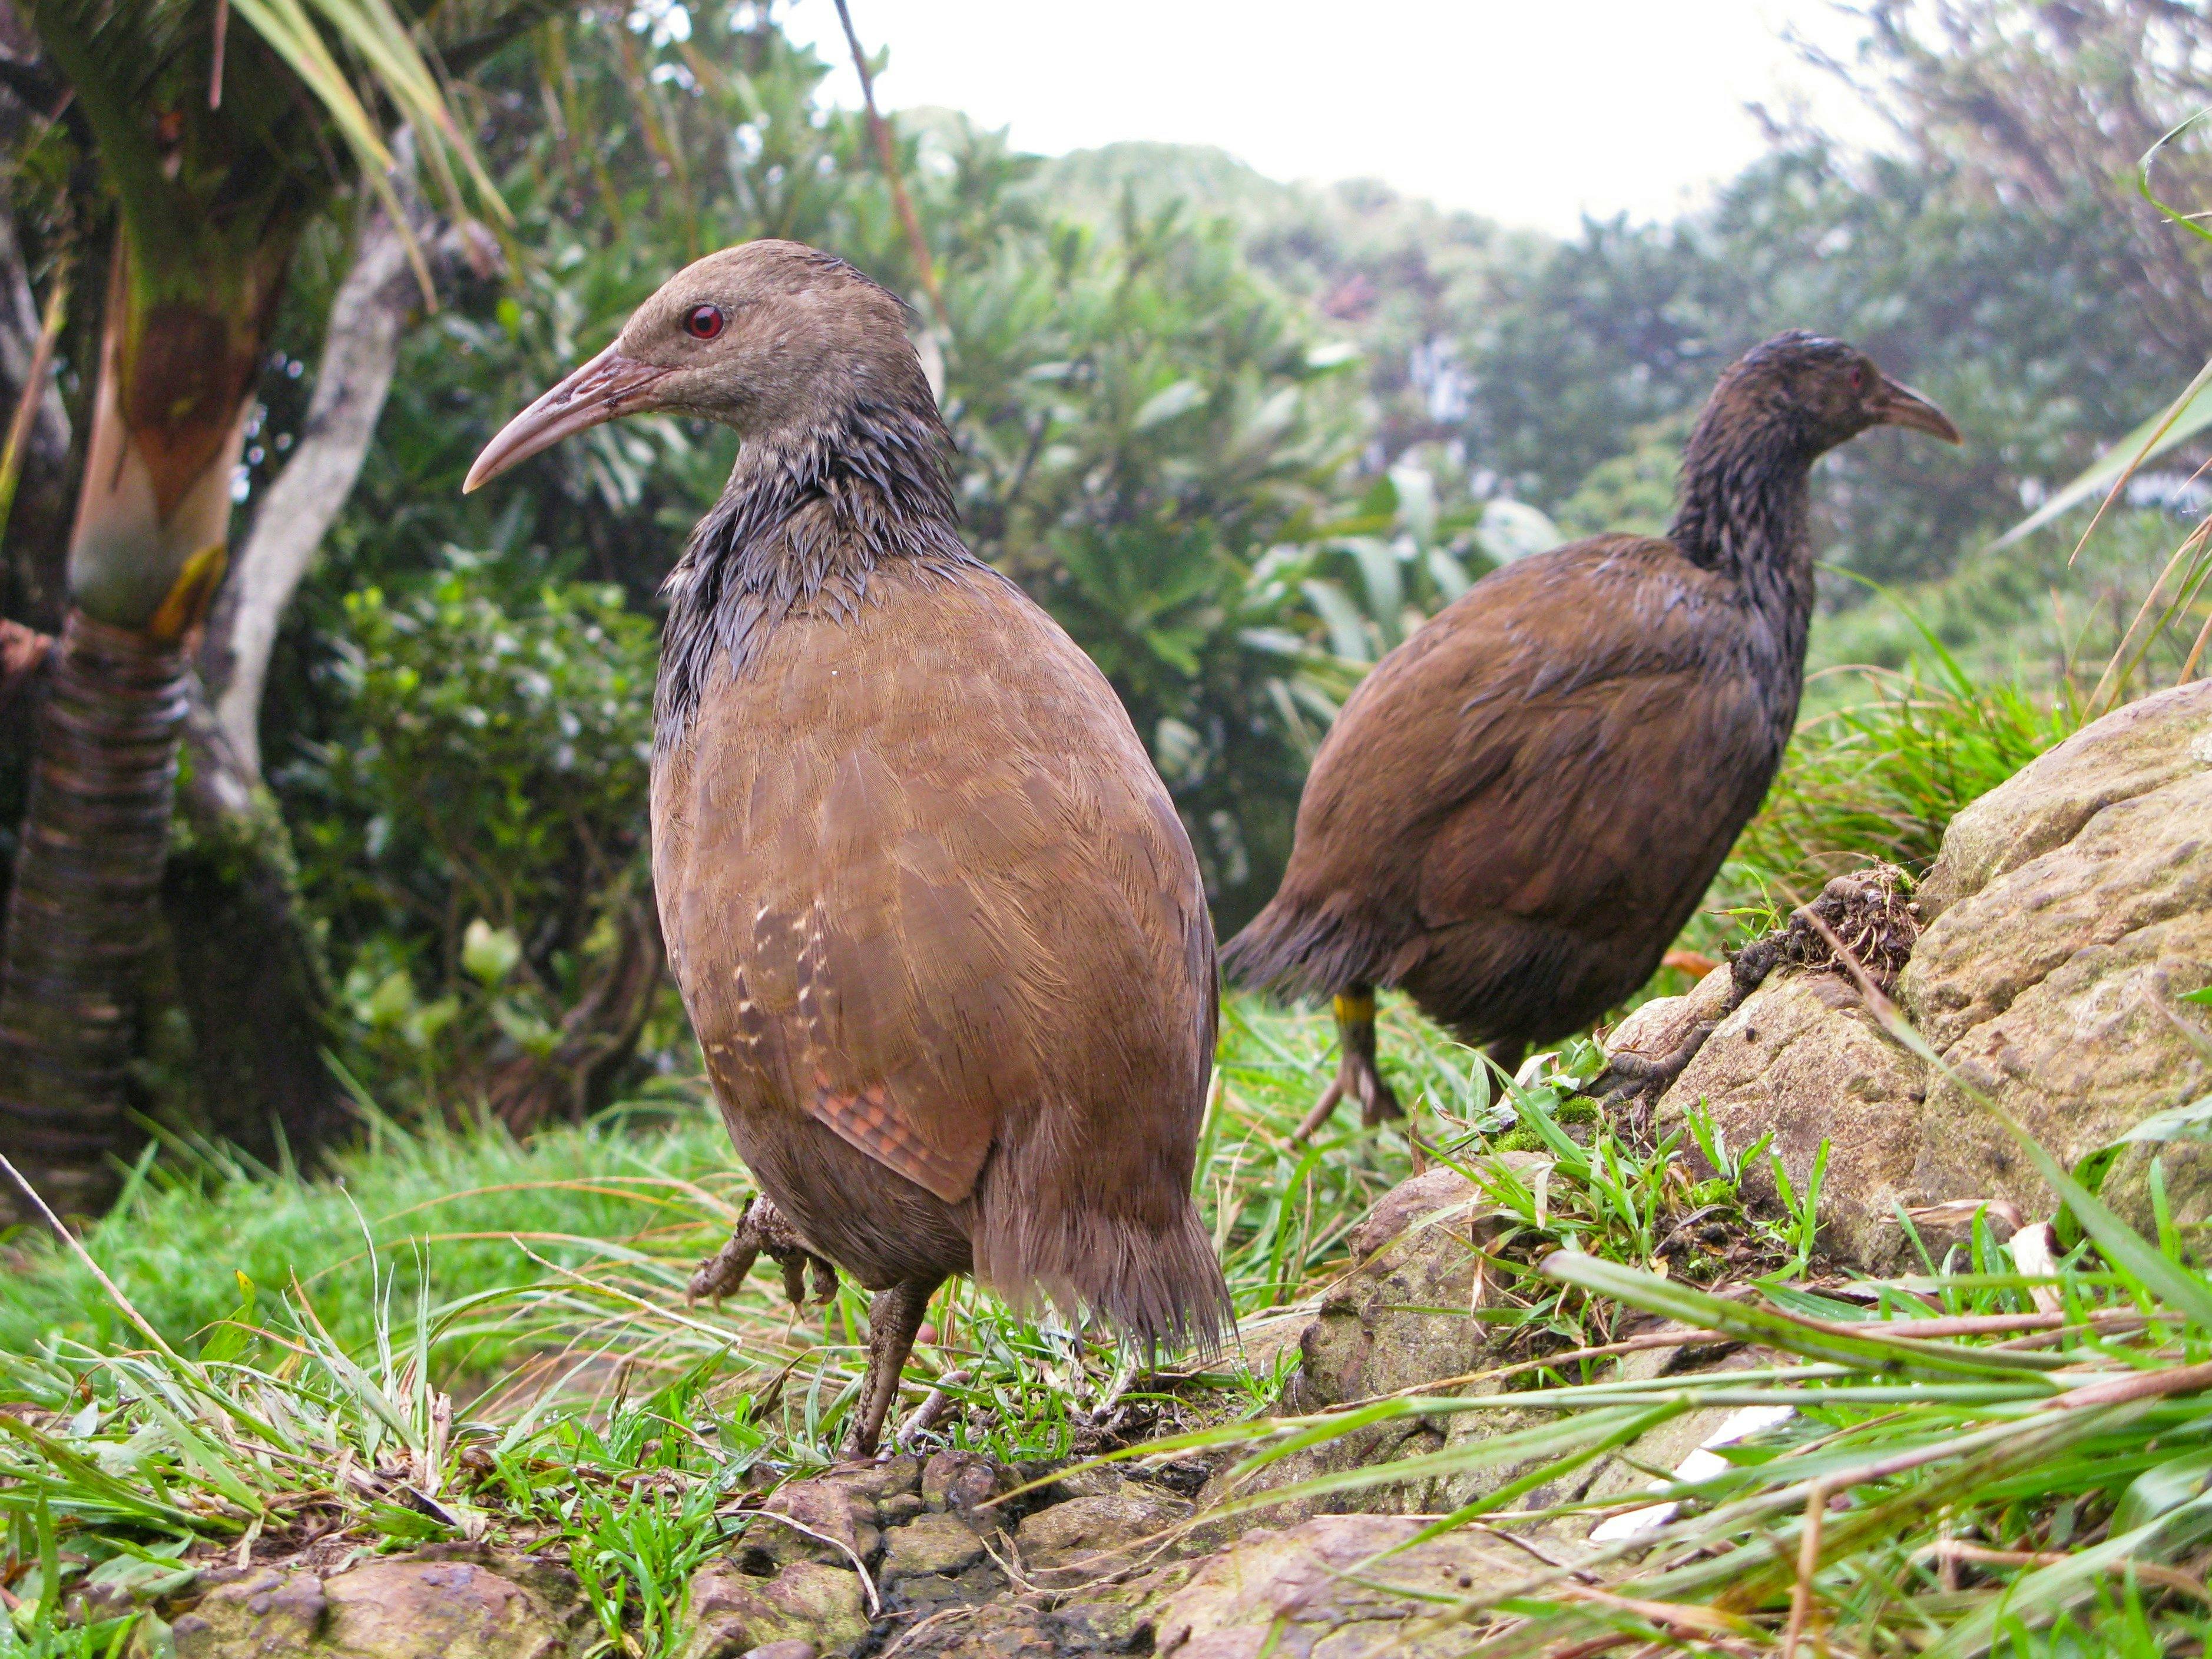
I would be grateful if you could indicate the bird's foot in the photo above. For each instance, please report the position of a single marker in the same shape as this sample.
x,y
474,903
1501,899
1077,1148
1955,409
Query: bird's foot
x,y
894,1316
762,1230
1635,1082
1631,1076
1357,1076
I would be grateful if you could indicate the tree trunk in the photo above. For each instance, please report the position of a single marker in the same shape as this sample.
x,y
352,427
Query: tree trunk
x,y
145,553
85,904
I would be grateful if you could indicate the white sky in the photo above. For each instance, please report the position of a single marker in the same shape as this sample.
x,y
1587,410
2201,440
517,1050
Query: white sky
x,y
1528,112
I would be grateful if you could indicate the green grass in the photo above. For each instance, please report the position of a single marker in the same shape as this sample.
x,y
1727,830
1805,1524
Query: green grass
x,y
228,1336
2033,614
1880,779
457,1204
1977,1460
263,1327
493,1335
630,1433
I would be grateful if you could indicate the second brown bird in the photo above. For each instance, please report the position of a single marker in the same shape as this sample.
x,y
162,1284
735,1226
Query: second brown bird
x,y
1519,808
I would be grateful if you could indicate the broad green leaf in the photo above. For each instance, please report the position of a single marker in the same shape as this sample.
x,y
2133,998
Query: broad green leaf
x,y
2190,1122
488,953
2167,1486
1167,404
2187,416
1513,530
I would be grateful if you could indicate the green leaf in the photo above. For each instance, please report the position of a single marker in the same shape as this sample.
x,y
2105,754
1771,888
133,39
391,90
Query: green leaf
x,y
1513,530
2166,1487
488,953
2187,416
1165,405
2190,1122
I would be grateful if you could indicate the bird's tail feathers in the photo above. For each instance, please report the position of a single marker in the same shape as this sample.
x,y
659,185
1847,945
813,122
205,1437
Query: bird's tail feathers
x,y
1158,1285
1304,949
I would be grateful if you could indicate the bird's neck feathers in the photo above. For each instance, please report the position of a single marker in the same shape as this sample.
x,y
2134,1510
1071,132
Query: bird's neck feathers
x,y
1743,513
810,514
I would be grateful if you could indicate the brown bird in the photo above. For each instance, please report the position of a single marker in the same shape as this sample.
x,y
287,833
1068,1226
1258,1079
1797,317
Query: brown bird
x,y
1518,809
938,929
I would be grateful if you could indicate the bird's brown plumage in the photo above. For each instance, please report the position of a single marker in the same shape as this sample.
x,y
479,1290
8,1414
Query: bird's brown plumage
x,y
933,916
939,932
1519,808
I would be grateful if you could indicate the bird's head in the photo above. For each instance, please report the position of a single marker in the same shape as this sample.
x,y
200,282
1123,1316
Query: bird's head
x,y
1815,393
767,336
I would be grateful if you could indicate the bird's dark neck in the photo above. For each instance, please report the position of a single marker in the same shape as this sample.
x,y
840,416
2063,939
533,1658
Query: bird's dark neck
x,y
1743,515
807,517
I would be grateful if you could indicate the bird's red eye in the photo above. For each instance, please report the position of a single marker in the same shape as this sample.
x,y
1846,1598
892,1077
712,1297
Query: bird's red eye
x,y
704,323
1858,375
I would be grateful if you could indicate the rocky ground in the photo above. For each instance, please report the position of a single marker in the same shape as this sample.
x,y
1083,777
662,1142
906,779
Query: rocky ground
x,y
2070,911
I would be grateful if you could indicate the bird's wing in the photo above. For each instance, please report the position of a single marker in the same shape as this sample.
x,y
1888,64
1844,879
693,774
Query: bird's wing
x,y
1550,747
919,880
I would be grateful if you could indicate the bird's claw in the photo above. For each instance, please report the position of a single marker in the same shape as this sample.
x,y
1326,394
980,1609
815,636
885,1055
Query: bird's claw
x,y
762,1230
1357,1078
1633,1082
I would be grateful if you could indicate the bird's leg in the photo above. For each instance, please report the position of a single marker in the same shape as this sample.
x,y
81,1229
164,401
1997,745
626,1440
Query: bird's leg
x,y
1357,1076
763,1229
894,1316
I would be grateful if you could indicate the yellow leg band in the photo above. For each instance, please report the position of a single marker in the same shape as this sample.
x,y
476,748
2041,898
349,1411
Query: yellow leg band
x,y
1356,1010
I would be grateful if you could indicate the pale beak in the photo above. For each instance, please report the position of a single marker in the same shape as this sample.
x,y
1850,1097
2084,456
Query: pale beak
x,y
1893,404
607,386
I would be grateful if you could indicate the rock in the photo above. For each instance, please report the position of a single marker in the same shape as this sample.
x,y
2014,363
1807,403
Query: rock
x,y
1440,1188
784,1650
1293,1594
1663,1024
1396,1321
1093,1480
1400,1320
835,1525
933,1542
1803,1060
2069,909
2156,741
393,1609
1096,1534
961,1479
734,1613
880,1482
2075,907
1019,1628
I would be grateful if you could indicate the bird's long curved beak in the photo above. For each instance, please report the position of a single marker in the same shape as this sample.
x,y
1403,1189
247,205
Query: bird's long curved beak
x,y
609,385
1901,405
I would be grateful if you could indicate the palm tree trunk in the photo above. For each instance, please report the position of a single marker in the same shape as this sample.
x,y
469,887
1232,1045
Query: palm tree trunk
x,y
85,903
146,552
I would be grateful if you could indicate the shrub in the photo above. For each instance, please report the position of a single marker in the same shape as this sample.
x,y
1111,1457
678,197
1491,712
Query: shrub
x,y
476,838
